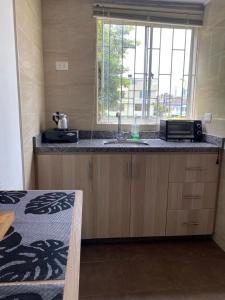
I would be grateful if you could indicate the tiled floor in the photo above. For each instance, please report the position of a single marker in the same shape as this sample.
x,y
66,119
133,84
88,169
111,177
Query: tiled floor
x,y
186,270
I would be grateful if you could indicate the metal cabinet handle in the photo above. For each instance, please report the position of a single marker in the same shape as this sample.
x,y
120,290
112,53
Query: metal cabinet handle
x,y
191,223
194,169
189,197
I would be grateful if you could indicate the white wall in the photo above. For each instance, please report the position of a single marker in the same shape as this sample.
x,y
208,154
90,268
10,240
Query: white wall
x,y
11,170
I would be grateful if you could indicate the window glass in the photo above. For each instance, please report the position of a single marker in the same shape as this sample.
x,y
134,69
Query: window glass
x,y
166,50
156,38
144,71
179,39
187,52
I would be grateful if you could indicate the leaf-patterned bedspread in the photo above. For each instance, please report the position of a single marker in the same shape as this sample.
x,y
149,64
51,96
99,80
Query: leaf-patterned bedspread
x,y
32,292
37,245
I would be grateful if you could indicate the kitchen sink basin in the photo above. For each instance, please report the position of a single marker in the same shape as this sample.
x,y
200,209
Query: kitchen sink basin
x,y
126,142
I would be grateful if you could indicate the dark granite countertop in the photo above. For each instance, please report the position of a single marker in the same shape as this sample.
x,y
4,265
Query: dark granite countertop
x,y
97,145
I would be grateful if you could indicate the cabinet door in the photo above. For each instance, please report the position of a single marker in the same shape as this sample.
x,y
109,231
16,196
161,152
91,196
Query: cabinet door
x,y
194,167
56,172
191,195
149,194
190,222
111,183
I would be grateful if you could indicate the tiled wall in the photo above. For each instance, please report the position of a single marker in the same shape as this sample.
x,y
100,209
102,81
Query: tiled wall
x,y
70,35
31,78
210,93
69,31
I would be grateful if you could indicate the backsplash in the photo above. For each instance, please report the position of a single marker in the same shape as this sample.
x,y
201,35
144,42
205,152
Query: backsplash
x,y
210,91
86,134
214,140
69,34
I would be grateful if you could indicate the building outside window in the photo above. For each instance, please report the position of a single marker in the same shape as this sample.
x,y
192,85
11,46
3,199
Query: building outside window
x,y
144,71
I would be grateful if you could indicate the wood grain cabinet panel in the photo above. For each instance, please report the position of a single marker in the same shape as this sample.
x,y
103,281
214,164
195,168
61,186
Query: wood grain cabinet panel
x,y
190,222
137,195
193,168
56,172
196,195
149,194
111,183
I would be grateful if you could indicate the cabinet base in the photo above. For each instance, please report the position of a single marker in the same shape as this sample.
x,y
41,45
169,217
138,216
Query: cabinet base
x,y
144,239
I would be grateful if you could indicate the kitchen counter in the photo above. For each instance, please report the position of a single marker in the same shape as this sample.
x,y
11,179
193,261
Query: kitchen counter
x,y
97,145
40,253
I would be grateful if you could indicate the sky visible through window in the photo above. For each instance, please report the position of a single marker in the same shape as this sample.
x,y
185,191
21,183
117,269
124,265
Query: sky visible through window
x,y
144,72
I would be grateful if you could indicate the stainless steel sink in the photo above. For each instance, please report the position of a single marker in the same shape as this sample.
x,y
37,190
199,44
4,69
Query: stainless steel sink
x,y
126,142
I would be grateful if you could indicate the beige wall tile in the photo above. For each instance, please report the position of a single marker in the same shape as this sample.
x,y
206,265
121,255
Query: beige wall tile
x,y
210,87
55,11
32,124
56,38
31,91
215,12
30,57
210,90
29,22
217,127
70,98
78,119
31,79
72,39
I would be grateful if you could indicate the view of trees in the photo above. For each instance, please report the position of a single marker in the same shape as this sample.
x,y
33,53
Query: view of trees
x,y
125,82
110,62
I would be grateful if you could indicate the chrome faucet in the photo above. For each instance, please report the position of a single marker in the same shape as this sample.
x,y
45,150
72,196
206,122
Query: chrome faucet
x,y
121,135
118,115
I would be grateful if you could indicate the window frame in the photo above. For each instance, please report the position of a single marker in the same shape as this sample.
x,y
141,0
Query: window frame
x,y
191,75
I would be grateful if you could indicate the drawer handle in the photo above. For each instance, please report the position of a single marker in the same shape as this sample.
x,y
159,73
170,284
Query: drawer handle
x,y
188,197
191,223
194,169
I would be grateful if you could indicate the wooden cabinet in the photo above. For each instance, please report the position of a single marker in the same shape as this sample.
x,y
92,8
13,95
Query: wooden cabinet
x,y
196,195
70,172
111,185
64,171
193,167
138,194
149,194
192,194
190,222
105,180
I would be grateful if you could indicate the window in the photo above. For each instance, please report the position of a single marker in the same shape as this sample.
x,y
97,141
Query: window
x,y
144,71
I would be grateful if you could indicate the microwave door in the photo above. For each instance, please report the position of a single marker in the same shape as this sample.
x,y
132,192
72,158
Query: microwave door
x,y
181,130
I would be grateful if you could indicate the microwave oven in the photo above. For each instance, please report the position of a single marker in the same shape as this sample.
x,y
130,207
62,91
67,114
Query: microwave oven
x,y
175,130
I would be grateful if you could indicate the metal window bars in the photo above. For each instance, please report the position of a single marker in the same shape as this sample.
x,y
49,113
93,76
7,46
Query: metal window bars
x,y
155,92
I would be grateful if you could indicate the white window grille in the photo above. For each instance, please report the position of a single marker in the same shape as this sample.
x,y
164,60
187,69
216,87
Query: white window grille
x,y
144,71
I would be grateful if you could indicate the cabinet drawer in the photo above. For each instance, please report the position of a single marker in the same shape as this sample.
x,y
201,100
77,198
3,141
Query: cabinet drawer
x,y
190,222
193,168
192,195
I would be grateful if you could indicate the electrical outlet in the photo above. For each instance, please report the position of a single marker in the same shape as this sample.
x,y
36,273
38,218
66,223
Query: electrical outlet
x,y
62,66
208,118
